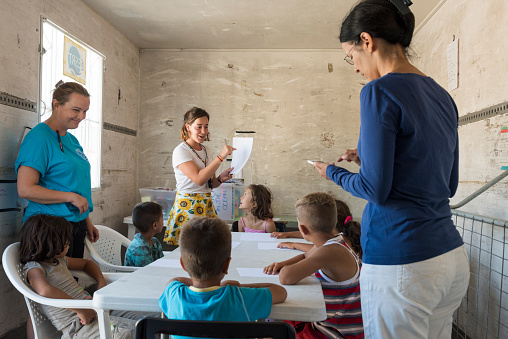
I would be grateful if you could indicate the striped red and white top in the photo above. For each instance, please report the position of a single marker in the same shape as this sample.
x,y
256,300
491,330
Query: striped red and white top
x,y
342,299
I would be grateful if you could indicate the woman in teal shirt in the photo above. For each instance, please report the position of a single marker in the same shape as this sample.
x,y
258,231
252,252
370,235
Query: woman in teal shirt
x,y
53,172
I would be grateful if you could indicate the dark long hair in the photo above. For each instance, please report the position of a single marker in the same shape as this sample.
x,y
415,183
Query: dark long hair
x,y
350,228
381,19
43,237
262,196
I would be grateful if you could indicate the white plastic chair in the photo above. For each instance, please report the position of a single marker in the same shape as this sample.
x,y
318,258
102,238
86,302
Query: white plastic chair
x,y
107,251
43,328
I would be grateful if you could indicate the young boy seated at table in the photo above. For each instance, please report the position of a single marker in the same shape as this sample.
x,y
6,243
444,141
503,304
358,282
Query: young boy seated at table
x,y
335,265
205,246
145,248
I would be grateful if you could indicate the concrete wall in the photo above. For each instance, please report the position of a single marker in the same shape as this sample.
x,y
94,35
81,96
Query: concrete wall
x,y
19,38
298,107
480,27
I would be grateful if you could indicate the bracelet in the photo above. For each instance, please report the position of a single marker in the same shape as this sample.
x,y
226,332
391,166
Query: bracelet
x,y
220,158
218,179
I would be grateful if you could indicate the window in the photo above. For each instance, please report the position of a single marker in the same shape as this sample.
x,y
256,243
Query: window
x,y
52,70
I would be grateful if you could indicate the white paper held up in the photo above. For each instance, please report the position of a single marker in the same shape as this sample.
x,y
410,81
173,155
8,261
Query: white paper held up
x,y
241,155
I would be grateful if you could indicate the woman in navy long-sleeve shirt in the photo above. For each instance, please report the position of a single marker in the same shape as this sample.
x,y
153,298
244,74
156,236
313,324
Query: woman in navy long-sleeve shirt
x,y
415,271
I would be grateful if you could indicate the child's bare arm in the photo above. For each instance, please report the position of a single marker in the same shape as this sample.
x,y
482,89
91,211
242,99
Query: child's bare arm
x,y
295,246
277,266
40,284
270,227
89,267
279,293
316,259
283,235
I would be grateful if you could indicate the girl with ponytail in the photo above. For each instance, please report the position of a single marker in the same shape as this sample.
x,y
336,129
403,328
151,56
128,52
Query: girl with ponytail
x,y
349,228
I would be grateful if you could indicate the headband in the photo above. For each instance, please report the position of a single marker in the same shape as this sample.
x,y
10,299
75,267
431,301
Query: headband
x,y
348,218
402,6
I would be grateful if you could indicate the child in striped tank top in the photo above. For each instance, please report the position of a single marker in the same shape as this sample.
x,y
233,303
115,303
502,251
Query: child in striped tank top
x,y
333,262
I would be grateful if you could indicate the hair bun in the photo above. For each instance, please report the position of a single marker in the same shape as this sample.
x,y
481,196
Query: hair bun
x,y
58,84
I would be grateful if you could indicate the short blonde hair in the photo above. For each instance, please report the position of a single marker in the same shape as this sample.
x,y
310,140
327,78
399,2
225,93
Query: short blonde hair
x,y
205,246
189,117
317,211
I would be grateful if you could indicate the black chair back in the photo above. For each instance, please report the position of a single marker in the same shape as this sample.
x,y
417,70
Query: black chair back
x,y
149,327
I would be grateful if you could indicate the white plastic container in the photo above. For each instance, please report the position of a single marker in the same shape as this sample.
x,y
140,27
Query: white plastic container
x,y
162,196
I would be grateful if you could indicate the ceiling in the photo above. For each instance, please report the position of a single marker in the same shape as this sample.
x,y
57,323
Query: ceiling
x,y
233,24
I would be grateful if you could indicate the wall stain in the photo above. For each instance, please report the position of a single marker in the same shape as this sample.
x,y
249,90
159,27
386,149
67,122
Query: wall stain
x,y
119,96
258,94
317,92
327,139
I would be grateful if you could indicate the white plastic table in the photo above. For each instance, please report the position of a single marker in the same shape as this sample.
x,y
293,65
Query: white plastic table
x,y
140,290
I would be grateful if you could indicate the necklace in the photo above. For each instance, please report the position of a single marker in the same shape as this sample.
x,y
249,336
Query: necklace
x,y
209,183
203,148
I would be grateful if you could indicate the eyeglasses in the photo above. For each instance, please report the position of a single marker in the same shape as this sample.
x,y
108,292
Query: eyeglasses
x,y
348,57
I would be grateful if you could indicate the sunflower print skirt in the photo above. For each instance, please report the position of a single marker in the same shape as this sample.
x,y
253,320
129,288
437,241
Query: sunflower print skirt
x,y
187,206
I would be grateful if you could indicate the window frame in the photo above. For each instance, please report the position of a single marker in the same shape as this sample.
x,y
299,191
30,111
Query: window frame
x,y
42,107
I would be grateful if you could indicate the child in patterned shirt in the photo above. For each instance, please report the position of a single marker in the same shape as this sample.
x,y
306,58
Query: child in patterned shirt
x,y
145,248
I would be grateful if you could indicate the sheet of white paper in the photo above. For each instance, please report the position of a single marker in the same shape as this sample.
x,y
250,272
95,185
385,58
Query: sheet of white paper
x,y
241,155
235,243
174,263
254,272
256,237
270,246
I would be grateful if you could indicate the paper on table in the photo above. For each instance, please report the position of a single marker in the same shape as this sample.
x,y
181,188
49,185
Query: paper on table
x,y
270,246
241,155
256,237
174,263
254,272
235,243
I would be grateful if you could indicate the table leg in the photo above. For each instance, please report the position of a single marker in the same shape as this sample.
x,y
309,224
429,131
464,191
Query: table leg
x,y
131,231
104,324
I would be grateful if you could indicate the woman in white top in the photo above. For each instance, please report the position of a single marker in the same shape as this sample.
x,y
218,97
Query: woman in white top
x,y
194,168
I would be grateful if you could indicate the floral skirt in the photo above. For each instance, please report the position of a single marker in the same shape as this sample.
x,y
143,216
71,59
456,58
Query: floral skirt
x,y
187,206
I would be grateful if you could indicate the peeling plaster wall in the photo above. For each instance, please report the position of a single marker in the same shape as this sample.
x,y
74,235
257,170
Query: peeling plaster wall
x,y
480,27
19,60
297,107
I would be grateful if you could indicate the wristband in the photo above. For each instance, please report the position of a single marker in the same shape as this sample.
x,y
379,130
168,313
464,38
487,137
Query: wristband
x,y
218,179
220,158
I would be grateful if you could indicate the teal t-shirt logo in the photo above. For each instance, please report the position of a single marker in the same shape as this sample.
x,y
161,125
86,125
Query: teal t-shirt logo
x,y
81,154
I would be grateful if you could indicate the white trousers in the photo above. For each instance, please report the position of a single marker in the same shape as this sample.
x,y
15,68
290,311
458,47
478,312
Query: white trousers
x,y
414,300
